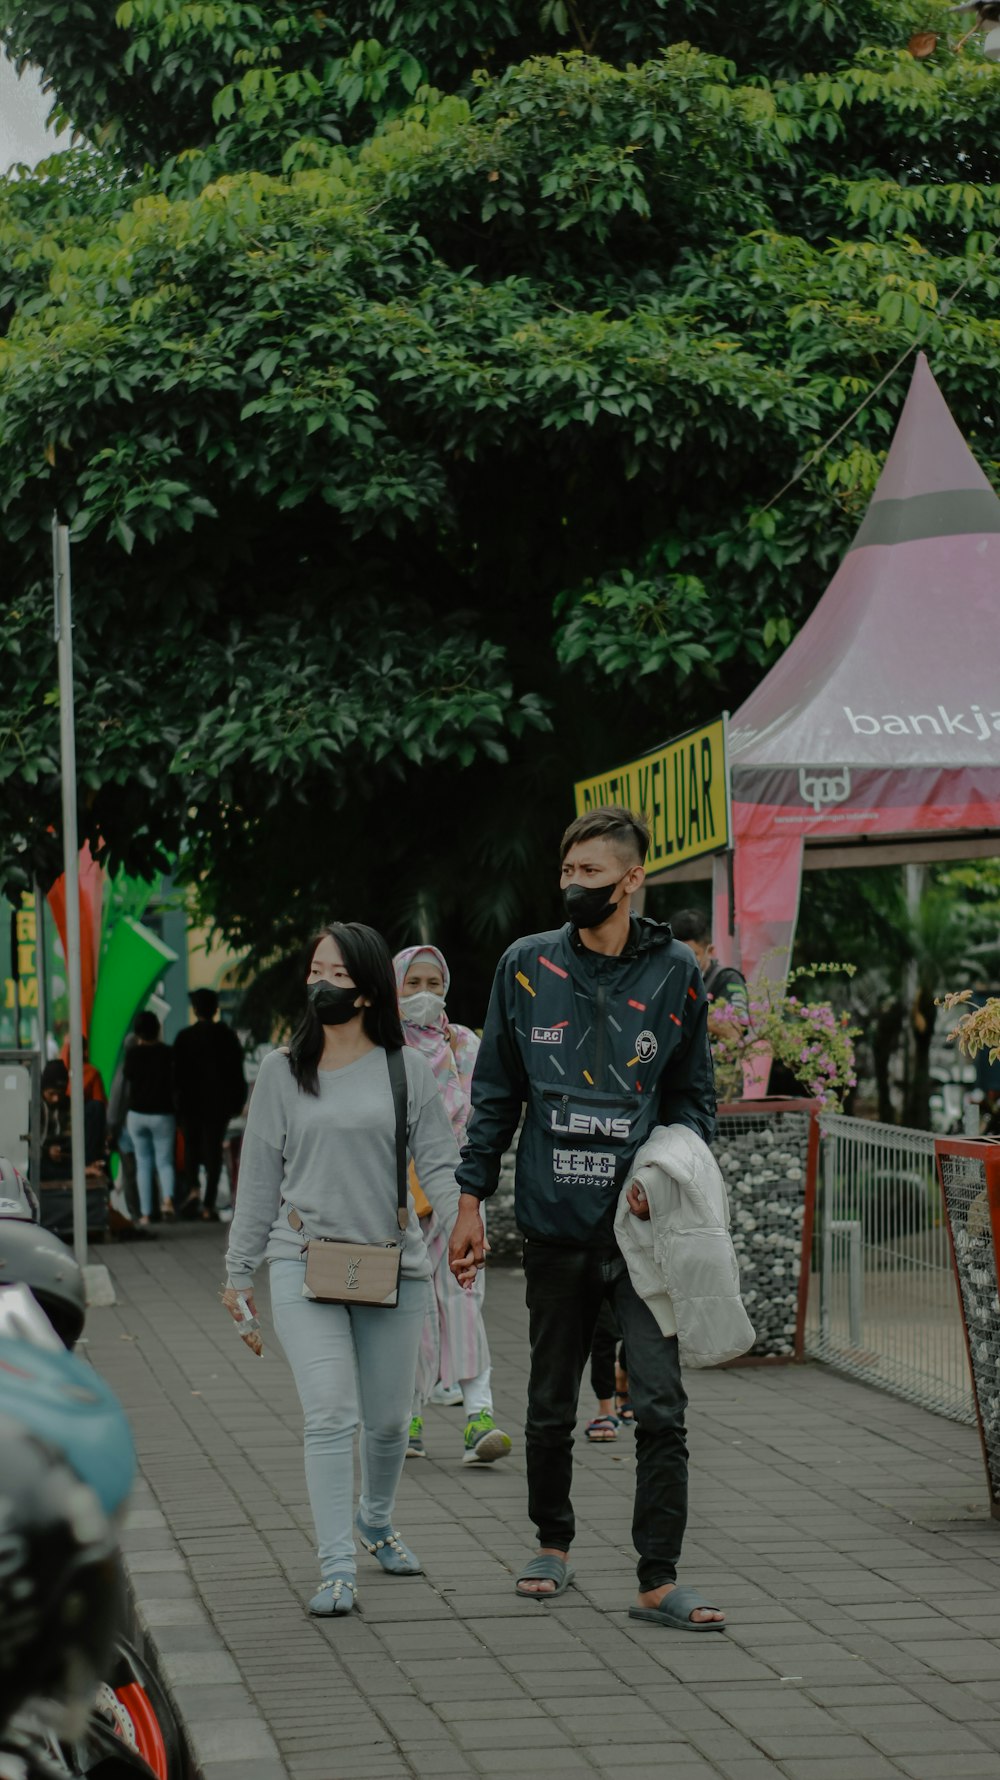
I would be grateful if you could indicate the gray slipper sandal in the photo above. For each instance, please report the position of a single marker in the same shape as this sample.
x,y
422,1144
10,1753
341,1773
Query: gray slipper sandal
x,y
676,1609
385,1544
335,1597
545,1566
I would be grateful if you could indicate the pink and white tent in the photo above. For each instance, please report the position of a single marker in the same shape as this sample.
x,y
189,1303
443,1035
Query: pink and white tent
x,y
876,736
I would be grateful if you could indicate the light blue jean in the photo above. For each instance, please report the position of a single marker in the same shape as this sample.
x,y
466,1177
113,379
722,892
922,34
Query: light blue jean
x,y
153,1136
350,1366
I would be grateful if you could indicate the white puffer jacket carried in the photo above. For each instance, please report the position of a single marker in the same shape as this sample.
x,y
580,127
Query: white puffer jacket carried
x,y
681,1260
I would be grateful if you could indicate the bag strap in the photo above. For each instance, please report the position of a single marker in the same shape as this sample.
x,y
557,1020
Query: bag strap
x,y
397,1079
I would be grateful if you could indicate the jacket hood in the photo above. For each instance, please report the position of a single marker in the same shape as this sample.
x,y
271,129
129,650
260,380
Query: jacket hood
x,y
650,935
645,936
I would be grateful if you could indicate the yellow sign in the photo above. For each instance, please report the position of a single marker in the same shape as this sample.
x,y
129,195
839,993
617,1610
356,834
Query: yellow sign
x,y
21,989
682,789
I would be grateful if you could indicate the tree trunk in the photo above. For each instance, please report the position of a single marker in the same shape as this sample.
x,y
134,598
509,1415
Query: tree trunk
x,y
885,1040
917,1105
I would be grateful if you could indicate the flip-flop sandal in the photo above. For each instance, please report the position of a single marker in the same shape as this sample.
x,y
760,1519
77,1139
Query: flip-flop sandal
x,y
623,1407
545,1566
602,1430
676,1609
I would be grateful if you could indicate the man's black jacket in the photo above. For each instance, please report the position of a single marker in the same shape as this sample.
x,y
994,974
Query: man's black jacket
x,y
600,1049
209,1082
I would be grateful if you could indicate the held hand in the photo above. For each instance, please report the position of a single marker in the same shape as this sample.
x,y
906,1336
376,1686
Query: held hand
x,y
467,1248
230,1298
637,1202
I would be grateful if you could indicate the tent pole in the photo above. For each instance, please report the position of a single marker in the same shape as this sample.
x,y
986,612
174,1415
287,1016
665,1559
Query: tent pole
x,y
724,908
731,886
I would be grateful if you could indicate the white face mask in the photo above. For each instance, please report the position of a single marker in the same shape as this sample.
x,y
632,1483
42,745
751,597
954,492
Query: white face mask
x,y
423,1009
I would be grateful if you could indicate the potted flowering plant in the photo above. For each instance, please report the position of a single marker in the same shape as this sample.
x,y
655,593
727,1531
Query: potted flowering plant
x,y
811,1039
979,1027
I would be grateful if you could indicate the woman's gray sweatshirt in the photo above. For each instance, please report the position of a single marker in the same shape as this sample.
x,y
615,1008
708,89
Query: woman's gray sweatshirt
x,y
332,1156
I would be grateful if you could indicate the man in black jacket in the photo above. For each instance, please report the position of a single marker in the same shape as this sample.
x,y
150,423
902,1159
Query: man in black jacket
x,y
600,1030
210,1089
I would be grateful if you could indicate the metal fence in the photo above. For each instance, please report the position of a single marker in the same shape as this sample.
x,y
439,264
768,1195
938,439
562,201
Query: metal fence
x,y
883,1303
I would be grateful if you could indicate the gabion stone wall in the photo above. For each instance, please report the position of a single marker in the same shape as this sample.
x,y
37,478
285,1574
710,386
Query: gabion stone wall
x,y
764,1157
967,1200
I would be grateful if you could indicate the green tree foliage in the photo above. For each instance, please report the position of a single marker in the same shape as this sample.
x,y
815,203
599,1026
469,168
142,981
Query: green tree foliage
x,y
911,954
418,381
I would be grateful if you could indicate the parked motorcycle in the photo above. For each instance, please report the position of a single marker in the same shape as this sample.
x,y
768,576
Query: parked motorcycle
x,y
76,1698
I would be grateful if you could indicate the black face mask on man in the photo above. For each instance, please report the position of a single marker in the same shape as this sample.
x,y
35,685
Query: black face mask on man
x,y
589,905
334,1006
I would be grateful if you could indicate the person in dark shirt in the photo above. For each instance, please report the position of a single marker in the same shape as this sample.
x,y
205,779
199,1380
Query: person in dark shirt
x,y
723,982
57,1152
57,1139
210,1089
151,1122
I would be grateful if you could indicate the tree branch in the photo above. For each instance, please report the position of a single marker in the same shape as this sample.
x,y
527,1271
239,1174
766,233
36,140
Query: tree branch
x,y
587,44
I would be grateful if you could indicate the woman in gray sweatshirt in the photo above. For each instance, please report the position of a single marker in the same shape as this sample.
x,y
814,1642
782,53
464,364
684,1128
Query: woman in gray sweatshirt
x,y
320,1143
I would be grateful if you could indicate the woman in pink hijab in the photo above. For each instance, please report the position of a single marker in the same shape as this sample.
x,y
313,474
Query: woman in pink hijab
x,y
454,1353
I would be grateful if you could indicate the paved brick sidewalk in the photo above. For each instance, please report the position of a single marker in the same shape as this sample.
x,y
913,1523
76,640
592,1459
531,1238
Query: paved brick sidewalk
x,y
846,1534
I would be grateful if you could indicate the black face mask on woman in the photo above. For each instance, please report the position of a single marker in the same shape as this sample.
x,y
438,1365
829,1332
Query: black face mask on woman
x,y
589,905
334,1006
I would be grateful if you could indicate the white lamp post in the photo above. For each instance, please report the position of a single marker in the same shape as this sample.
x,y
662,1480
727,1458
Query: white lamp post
x,y
63,597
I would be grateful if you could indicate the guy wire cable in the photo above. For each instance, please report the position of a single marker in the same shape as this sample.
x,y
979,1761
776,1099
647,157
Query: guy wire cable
x,y
915,345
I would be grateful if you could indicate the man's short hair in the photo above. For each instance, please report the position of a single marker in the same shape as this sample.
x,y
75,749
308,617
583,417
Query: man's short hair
x,y
55,1075
692,924
612,822
205,1003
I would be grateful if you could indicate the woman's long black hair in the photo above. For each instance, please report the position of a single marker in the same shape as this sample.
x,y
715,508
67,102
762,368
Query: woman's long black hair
x,y
369,961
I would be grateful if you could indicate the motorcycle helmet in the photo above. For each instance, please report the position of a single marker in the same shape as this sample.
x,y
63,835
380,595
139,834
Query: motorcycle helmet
x,y
23,1319
60,1582
62,1400
16,1198
33,1257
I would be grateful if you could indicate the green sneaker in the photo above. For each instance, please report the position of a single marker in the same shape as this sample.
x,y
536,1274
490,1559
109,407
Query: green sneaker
x,y
415,1448
484,1441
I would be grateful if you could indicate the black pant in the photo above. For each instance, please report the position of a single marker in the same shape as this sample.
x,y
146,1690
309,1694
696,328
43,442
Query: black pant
x,y
204,1134
607,1355
565,1289
604,1354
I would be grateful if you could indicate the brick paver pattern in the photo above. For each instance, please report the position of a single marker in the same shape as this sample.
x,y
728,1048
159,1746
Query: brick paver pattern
x,y
846,1534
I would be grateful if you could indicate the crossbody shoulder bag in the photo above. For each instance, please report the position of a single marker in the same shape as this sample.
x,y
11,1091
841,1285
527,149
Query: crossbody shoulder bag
x,y
340,1272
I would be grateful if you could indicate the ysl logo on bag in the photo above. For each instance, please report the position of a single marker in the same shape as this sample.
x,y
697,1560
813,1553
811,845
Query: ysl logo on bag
x,y
352,1275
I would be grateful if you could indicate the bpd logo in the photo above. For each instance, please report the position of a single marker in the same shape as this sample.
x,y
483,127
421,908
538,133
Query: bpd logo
x,y
646,1047
547,1035
820,789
